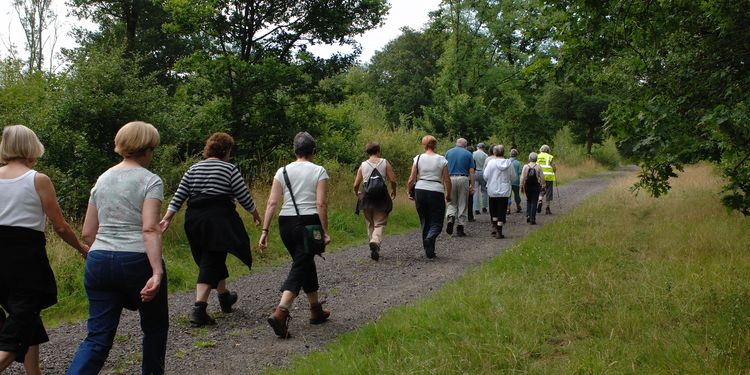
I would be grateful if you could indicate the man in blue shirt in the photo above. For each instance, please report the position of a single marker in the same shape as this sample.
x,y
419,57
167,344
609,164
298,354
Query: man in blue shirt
x,y
461,170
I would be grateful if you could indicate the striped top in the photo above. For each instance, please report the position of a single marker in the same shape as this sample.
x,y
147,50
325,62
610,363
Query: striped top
x,y
212,177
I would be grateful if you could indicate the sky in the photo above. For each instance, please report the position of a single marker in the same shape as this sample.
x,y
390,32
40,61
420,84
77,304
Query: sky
x,y
411,13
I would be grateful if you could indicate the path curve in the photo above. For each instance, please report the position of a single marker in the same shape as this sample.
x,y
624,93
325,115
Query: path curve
x,y
357,289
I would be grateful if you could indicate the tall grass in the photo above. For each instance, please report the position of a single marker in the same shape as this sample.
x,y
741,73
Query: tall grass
x,y
624,284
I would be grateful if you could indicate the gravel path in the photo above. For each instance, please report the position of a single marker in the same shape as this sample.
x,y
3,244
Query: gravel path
x,y
357,289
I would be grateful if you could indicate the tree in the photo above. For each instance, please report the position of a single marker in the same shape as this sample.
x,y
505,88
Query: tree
x,y
581,108
681,74
35,17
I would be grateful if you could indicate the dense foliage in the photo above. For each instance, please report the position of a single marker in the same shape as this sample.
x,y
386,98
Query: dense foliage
x,y
666,79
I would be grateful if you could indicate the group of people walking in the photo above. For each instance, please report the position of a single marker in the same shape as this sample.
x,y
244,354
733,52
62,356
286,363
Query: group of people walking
x,y
122,230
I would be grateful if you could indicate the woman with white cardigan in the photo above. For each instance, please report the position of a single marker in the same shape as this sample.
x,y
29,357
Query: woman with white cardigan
x,y
499,173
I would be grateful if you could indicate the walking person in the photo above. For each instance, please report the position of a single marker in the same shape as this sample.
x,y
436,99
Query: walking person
x,y
499,173
431,186
480,193
461,171
515,184
27,285
532,184
375,200
470,202
301,186
212,225
546,161
124,268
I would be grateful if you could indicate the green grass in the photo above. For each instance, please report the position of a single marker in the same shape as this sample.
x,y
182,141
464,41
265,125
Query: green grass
x,y
623,284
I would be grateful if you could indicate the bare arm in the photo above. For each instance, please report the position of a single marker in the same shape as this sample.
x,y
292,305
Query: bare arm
x,y
392,178
90,224
152,242
524,173
412,179
447,184
357,182
273,200
51,208
320,202
471,180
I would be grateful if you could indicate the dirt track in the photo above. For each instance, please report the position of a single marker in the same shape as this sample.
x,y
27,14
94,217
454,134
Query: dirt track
x,y
357,289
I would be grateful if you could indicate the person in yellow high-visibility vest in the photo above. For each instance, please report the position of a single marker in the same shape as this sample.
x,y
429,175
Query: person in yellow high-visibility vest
x,y
546,161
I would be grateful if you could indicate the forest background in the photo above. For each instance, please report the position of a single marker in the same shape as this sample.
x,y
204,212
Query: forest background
x,y
662,83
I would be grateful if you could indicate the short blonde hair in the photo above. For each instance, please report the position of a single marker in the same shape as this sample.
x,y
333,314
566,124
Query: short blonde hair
x,y
429,142
20,142
135,138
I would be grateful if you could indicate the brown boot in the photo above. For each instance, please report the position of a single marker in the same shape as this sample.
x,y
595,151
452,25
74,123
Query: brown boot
x,y
279,321
317,314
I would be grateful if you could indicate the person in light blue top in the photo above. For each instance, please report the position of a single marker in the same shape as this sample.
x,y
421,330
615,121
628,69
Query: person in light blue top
x,y
461,171
516,183
480,185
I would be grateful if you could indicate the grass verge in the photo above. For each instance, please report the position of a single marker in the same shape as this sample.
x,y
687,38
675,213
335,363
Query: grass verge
x,y
623,284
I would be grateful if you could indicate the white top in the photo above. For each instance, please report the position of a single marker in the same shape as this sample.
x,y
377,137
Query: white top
x,y
304,177
430,172
366,168
20,205
499,173
480,157
118,196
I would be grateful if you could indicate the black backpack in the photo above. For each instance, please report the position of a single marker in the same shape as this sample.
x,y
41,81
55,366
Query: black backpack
x,y
531,180
375,186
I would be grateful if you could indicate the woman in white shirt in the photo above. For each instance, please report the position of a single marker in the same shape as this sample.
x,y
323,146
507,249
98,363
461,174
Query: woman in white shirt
x,y
499,174
308,183
432,189
27,285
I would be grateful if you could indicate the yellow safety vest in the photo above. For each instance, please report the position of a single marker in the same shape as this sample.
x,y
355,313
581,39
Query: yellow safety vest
x,y
545,161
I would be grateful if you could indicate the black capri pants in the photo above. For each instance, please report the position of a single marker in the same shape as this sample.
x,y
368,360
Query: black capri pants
x,y
303,274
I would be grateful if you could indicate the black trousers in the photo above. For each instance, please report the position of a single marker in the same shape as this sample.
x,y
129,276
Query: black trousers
x,y
498,208
303,274
431,210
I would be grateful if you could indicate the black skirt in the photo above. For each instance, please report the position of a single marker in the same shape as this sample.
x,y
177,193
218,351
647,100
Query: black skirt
x,y
212,224
24,267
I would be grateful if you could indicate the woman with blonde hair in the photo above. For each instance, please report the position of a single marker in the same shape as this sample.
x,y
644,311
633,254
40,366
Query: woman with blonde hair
x,y
124,268
212,224
27,285
431,186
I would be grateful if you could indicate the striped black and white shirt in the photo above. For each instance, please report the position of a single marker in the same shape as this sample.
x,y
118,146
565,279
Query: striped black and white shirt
x,y
212,178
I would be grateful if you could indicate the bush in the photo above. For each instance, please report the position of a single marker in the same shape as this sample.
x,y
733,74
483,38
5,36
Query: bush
x,y
607,154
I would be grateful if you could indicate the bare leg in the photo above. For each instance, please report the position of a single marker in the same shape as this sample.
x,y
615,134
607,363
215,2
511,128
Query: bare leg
x,y
202,291
287,298
312,297
222,286
31,361
6,358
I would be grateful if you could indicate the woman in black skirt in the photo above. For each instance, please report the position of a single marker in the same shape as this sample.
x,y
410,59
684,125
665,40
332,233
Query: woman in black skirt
x,y
212,224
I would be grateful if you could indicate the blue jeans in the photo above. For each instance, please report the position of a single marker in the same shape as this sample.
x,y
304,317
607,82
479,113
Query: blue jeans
x,y
531,204
113,281
480,188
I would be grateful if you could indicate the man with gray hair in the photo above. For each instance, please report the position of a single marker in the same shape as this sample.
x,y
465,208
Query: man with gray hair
x,y
480,157
461,170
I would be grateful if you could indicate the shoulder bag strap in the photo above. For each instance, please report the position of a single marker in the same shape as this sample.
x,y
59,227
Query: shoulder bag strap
x,y
289,186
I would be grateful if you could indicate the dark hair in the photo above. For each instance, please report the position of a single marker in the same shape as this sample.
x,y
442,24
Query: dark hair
x,y
218,145
499,150
304,144
372,148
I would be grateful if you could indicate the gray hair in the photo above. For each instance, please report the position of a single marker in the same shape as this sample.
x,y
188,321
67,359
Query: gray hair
x,y
304,144
513,153
461,142
480,145
544,148
533,156
499,150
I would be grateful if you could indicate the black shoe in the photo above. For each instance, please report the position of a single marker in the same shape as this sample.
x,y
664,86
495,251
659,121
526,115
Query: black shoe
x,y
499,233
199,317
528,219
476,212
460,231
518,210
227,300
547,211
539,208
449,227
471,220
429,248
533,222
484,210
374,251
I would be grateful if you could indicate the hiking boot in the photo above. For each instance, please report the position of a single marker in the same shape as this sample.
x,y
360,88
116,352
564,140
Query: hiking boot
x,y
547,210
429,248
279,321
528,219
533,222
518,208
539,208
499,233
460,231
374,251
484,210
199,317
317,314
476,212
449,227
227,300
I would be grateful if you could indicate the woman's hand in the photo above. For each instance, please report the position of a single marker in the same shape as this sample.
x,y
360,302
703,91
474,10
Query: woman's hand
x,y
164,224
326,239
151,288
84,251
256,218
263,242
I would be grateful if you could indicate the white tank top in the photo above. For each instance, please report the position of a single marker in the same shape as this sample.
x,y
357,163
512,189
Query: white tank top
x,y
20,205
366,167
